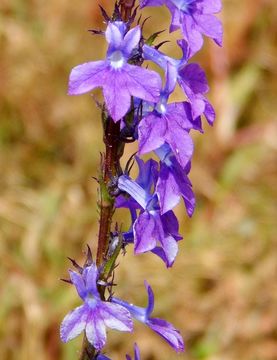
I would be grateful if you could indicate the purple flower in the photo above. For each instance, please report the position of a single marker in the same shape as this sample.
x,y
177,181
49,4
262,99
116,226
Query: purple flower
x,y
119,80
168,124
94,315
162,327
194,17
191,78
173,182
137,354
152,231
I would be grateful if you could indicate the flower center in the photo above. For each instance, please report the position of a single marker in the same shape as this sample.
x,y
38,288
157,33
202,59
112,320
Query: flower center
x,y
161,107
117,59
183,5
91,301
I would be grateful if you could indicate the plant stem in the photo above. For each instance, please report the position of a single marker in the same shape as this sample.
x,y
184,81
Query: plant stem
x,y
110,169
88,351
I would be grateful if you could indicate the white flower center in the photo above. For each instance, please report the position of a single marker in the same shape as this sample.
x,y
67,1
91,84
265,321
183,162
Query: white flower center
x,y
91,301
182,5
117,59
161,107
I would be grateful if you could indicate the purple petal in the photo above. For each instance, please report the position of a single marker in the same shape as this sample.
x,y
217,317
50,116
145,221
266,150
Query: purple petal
x,y
185,50
152,54
175,17
117,97
181,144
131,40
181,113
102,357
137,312
144,233
96,330
79,283
74,323
171,79
151,131
113,35
86,77
194,78
171,225
209,112
210,6
148,172
151,3
129,81
167,190
191,34
159,251
151,299
185,189
143,83
168,332
134,189
137,352
210,26
116,317
197,105
170,248
90,275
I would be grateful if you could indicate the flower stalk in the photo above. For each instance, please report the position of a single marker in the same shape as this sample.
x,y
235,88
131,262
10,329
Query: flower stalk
x,y
110,169
137,107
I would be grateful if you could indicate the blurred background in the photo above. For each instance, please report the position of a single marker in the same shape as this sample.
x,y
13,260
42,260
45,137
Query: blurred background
x,y
222,291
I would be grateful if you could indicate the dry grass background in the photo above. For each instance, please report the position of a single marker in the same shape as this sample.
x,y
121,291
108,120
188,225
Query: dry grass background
x,y
222,291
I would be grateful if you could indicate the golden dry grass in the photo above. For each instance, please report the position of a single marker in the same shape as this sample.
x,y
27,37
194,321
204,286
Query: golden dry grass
x,y
222,290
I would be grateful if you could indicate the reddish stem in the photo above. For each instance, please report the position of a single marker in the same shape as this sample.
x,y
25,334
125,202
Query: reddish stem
x,y
110,169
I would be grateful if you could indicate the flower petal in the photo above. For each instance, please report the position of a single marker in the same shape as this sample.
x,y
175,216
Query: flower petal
x,y
210,6
134,189
79,283
143,83
168,332
151,299
170,248
113,35
131,40
151,133
137,352
167,189
210,26
96,330
145,236
74,323
194,78
90,275
117,97
116,317
180,143
85,77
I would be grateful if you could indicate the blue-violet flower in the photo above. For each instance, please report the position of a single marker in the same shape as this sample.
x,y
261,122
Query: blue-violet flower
x,y
160,326
119,80
194,17
94,315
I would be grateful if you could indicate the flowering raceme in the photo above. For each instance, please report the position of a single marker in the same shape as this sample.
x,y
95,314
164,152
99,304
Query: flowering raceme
x,y
137,107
